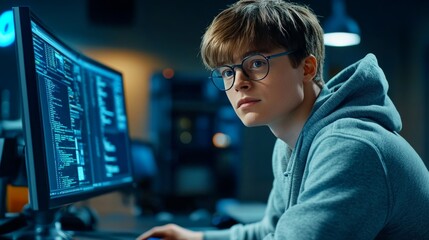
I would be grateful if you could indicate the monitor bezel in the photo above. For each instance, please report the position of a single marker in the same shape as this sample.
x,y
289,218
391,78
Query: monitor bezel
x,y
36,163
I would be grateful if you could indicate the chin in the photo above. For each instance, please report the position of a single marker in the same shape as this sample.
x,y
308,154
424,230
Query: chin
x,y
251,123
252,119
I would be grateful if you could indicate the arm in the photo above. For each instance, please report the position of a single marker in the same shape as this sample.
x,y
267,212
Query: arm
x,y
259,230
239,231
344,193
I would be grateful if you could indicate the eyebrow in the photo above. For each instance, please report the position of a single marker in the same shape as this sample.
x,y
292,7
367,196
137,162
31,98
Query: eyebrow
x,y
252,52
244,55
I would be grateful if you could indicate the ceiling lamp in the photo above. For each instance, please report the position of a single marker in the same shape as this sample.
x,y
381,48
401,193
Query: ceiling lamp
x,y
340,30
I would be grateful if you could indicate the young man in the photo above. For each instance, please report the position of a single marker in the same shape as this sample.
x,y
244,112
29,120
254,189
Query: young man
x,y
341,170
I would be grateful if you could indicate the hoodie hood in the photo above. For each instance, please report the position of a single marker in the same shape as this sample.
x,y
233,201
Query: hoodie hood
x,y
359,91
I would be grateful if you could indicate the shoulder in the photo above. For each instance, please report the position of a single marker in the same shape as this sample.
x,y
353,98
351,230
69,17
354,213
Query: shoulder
x,y
351,143
363,130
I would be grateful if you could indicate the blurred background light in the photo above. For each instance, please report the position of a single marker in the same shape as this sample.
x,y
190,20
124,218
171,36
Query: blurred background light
x,y
221,140
168,73
341,30
7,29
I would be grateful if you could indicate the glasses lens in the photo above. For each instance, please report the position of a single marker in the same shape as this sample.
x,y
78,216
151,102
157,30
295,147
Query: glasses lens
x,y
256,67
223,77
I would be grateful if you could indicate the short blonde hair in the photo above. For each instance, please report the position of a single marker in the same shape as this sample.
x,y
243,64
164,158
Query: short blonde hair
x,y
262,25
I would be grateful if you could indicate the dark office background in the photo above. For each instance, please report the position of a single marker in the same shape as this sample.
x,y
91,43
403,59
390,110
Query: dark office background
x,y
156,45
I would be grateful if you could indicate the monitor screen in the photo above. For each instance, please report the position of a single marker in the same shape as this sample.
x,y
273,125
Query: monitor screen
x,y
74,119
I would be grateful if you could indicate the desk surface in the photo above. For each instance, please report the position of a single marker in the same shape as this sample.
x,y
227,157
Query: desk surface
x,y
122,226
142,223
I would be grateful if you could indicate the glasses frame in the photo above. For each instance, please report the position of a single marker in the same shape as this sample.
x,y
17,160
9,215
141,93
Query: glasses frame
x,y
233,67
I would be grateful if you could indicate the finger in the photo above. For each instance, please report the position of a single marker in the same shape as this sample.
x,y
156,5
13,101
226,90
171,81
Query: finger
x,y
146,235
155,233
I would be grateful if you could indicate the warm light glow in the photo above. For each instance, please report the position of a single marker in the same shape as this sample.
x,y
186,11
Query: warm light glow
x,y
168,73
341,39
137,67
221,140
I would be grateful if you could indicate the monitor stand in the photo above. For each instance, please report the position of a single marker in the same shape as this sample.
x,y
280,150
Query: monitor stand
x,y
28,224
41,225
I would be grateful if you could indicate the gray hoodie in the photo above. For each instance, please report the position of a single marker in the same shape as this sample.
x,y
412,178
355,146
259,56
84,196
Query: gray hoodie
x,y
350,175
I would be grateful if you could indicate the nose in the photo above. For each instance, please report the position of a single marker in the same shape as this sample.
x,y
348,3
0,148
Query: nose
x,y
242,81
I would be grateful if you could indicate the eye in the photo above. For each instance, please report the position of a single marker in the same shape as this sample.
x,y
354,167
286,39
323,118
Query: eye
x,y
227,73
255,63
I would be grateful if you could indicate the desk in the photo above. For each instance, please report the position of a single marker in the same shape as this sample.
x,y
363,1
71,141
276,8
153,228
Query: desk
x,y
142,223
125,226
122,226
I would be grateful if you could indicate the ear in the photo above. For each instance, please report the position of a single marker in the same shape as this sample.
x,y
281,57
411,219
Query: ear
x,y
310,68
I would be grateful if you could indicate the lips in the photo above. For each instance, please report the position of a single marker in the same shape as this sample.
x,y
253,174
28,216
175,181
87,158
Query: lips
x,y
246,100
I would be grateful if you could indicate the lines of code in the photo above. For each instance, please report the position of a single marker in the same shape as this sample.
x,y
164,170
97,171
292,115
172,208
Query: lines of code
x,y
84,120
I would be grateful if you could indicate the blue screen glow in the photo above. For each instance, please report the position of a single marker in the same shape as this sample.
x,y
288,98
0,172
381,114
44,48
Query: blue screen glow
x,y
7,29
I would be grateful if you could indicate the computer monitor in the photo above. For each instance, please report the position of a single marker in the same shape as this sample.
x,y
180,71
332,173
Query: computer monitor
x,y
74,119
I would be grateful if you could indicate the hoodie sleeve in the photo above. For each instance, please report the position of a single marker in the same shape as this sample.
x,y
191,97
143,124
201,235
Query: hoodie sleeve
x,y
344,194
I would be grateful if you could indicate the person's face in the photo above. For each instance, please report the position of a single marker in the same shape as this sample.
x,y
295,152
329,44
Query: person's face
x,y
273,100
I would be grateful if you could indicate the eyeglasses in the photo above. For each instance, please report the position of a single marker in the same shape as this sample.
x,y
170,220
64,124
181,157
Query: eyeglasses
x,y
256,67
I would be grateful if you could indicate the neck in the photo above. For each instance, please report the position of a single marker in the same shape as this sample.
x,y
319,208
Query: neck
x,y
290,127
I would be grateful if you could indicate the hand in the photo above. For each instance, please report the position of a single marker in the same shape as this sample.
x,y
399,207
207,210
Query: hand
x,y
171,232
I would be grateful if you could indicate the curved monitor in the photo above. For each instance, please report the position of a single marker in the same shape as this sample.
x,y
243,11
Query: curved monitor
x,y
74,119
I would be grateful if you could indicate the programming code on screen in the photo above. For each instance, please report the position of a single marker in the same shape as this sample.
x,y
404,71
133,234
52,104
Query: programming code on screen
x,y
84,119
